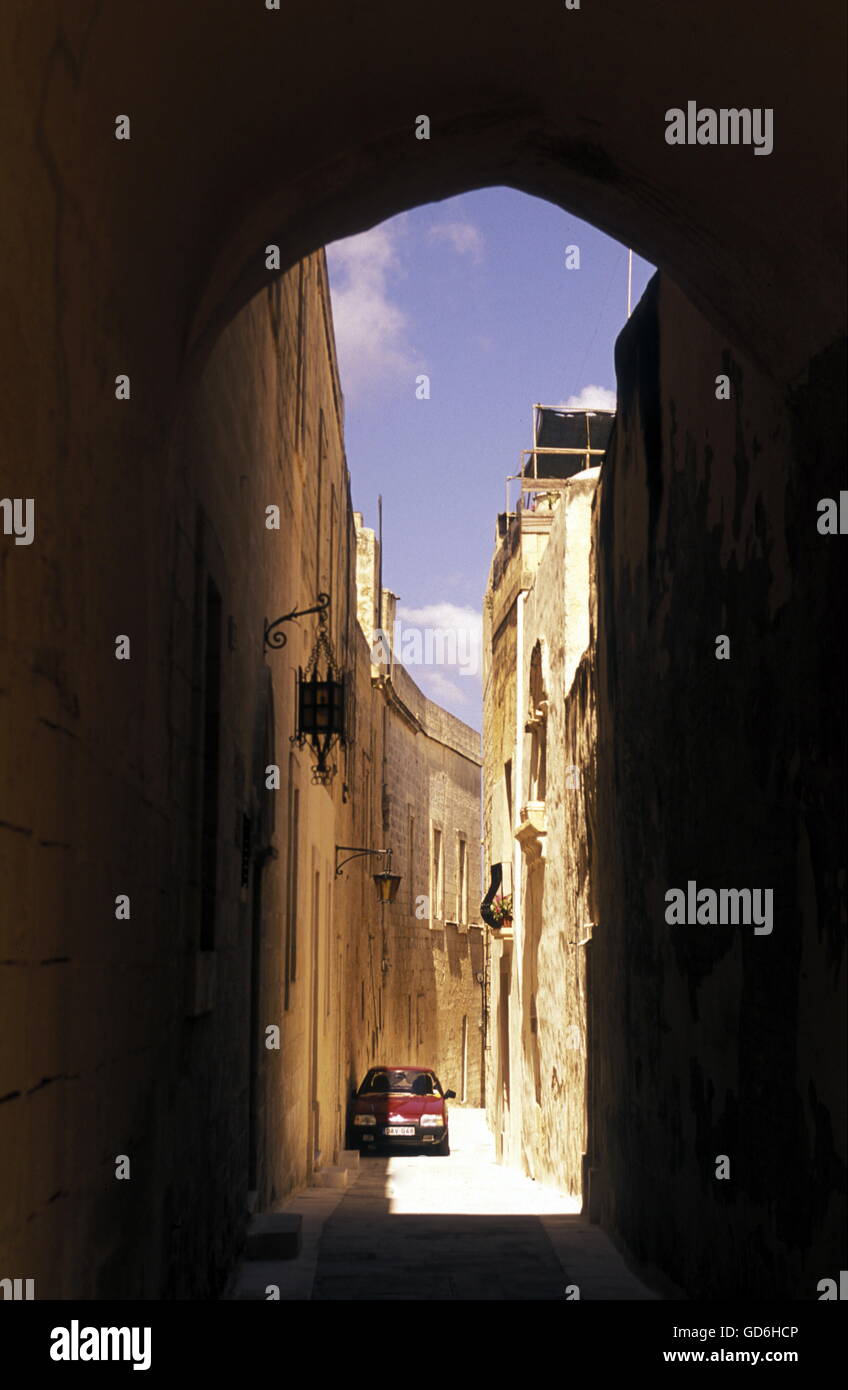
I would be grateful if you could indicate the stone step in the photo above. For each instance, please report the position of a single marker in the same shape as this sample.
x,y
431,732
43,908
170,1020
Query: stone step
x,y
274,1236
349,1158
332,1177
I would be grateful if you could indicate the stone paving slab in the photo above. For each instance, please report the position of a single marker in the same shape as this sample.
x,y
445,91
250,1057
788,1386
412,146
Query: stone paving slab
x,y
591,1261
274,1236
293,1278
422,1227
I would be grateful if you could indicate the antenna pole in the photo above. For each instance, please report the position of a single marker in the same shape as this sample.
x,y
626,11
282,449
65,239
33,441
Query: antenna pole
x,y
380,562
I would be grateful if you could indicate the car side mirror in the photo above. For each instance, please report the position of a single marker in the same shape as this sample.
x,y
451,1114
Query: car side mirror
x,y
450,1095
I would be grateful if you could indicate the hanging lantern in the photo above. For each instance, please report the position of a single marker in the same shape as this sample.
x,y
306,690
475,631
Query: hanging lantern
x,y
321,704
386,883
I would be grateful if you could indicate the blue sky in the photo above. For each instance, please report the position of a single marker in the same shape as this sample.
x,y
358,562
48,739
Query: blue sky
x,y
474,293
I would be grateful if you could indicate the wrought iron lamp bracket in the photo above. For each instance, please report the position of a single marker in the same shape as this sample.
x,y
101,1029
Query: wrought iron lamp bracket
x,y
275,638
356,853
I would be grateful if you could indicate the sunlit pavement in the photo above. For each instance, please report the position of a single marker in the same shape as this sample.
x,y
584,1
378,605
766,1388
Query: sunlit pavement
x,y
416,1226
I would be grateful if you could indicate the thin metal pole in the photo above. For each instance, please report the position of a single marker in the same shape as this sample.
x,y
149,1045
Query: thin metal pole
x,y
380,562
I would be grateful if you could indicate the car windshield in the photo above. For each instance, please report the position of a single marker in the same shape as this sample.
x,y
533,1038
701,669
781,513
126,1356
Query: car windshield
x,y
411,1082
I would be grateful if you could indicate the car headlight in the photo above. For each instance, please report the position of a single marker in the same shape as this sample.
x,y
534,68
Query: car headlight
x,y
430,1120
364,1120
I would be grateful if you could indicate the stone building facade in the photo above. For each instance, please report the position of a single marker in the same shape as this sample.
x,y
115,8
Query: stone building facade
x,y
656,641
539,735
189,988
432,1004
723,770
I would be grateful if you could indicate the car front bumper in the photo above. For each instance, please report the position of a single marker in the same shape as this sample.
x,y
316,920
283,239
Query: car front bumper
x,y
375,1137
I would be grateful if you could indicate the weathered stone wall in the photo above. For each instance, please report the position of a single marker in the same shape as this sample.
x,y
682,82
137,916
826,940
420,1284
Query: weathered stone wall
x,y
710,1040
146,1036
367,571
424,955
542,1128
500,662
695,1041
150,1037
557,906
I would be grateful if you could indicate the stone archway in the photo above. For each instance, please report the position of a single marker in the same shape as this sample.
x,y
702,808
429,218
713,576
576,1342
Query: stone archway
x,y
251,126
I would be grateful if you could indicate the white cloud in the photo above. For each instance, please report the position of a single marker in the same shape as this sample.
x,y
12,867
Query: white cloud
x,y
440,636
442,690
443,614
590,398
372,331
440,644
464,237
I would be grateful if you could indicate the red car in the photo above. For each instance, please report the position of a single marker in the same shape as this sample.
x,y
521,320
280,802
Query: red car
x,y
403,1106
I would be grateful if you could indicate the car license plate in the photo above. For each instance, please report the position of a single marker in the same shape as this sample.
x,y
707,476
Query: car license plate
x,y
399,1129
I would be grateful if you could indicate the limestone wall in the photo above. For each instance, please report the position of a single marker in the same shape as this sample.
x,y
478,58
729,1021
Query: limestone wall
x,y
713,1040
706,1095
556,887
211,1038
426,949
537,1091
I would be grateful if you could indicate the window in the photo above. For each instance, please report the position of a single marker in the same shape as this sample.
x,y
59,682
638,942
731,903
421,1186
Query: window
x,y
436,868
315,966
323,447
334,534
503,1020
275,308
293,854
537,727
300,404
211,739
328,963
464,1091
461,881
246,849
534,1033
416,1081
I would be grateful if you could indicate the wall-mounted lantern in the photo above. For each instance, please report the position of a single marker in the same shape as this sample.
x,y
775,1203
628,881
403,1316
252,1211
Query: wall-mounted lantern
x,y
320,716
385,882
321,703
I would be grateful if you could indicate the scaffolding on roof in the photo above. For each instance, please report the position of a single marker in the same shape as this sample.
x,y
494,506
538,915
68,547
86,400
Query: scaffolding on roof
x,y
583,449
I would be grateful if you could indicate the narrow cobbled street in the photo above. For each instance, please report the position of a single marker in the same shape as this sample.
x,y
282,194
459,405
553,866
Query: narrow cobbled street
x,y
464,1227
